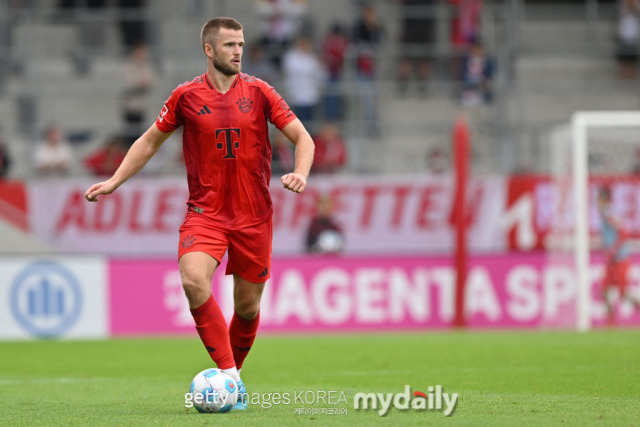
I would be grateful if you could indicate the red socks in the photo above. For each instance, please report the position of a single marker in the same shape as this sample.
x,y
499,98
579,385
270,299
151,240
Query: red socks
x,y
213,331
242,333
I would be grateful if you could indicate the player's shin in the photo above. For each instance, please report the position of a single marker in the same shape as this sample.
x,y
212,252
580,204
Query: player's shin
x,y
213,331
242,333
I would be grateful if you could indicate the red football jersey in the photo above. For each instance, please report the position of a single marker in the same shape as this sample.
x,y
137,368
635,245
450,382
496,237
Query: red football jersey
x,y
226,146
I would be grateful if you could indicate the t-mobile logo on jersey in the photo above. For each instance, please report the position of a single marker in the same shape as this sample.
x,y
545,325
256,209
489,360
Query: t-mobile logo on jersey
x,y
228,144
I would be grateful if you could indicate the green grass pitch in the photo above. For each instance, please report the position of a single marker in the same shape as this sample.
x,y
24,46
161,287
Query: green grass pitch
x,y
503,378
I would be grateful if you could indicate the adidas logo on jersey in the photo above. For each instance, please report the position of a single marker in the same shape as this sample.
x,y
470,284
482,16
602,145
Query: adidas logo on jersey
x,y
264,273
204,110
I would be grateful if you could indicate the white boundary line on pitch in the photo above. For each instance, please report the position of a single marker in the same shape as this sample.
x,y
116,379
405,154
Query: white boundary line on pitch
x,y
61,380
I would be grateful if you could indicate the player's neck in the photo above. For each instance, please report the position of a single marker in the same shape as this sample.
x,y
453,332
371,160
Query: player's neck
x,y
221,82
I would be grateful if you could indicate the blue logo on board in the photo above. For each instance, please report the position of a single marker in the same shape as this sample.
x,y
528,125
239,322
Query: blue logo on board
x,y
46,299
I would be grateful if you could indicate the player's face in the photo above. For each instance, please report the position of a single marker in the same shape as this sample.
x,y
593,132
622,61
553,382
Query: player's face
x,y
227,51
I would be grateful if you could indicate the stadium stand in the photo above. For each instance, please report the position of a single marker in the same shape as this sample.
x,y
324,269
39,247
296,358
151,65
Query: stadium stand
x,y
551,59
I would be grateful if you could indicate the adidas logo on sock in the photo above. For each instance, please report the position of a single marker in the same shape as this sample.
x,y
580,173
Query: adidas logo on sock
x,y
264,273
204,110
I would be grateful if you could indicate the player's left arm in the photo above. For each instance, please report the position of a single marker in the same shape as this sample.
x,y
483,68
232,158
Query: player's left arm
x,y
297,180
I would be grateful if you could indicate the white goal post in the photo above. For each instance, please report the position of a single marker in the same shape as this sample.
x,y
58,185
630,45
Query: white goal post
x,y
581,122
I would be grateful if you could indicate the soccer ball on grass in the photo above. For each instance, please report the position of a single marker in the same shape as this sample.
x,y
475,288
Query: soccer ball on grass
x,y
213,391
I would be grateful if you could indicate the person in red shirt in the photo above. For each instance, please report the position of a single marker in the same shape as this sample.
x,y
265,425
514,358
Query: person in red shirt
x,y
227,153
334,51
105,161
331,151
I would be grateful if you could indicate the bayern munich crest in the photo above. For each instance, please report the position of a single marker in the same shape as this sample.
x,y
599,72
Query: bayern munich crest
x,y
244,104
188,241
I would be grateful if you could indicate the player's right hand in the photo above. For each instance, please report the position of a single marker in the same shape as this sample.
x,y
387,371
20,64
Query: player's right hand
x,y
294,181
104,187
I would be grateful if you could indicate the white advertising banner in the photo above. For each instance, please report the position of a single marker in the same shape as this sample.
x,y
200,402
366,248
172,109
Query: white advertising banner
x,y
376,215
53,298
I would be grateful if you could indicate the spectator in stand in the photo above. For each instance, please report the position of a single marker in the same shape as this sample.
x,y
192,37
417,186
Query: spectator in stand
x,y
282,155
138,77
303,77
54,156
5,159
417,38
334,49
324,235
331,151
465,24
106,159
368,35
477,75
465,27
281,21
628,38
257,65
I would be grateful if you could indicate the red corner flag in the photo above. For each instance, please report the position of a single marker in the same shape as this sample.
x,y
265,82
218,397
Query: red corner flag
x,y
459,215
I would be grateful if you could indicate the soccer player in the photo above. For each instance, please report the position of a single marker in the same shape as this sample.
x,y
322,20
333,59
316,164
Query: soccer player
x,y
616,248
228,154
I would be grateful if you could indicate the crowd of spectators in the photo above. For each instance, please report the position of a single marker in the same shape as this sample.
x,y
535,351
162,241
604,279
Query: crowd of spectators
x,y
308,64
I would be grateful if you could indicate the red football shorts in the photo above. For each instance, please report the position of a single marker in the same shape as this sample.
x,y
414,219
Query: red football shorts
x,y
616,275
249,247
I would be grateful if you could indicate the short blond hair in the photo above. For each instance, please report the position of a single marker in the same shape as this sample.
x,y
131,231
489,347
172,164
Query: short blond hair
x,y
211,28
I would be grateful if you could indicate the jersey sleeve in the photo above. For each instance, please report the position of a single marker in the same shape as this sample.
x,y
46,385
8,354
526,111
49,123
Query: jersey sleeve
x,y
170,117
277,110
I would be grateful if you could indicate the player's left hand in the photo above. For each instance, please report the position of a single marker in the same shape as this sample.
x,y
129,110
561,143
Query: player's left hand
x,y
294,181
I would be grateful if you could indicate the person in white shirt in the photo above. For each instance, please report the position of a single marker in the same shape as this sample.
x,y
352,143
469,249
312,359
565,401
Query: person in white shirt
x,y
54,156
304,76
138,78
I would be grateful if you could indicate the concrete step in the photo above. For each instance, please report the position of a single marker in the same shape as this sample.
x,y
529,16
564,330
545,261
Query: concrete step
x,y
538,109
434,110
40,38
538,67
559,33
556,75
597,87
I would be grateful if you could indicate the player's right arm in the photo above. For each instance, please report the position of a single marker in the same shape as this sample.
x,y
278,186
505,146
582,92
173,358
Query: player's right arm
x,y
138,155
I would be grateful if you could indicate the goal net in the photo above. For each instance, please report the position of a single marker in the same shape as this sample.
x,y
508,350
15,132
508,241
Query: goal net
x,y
600,150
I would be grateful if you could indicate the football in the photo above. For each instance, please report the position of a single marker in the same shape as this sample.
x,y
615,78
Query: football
x,y
214,391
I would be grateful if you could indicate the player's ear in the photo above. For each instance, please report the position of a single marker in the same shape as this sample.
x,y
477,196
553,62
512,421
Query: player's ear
x,y
208,50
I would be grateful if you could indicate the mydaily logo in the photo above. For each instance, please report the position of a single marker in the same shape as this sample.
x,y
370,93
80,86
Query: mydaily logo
x,y
434,400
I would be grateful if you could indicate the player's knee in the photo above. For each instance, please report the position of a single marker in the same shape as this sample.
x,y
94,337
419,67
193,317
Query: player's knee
x,y
193,286
247,309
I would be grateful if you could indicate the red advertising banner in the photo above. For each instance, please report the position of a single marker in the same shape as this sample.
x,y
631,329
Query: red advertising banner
x,y
13,204
376,215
